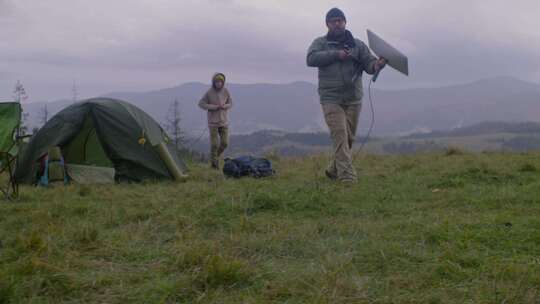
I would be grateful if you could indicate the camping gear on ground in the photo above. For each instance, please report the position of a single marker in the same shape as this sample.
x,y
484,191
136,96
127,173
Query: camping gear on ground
x,y
10,140
106,134
394,58
89,175
248,166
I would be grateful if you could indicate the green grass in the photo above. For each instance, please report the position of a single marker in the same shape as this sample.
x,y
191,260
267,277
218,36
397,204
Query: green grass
x,y
438,228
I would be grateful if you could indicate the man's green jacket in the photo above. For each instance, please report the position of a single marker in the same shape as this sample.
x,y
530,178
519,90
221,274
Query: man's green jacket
x,y
337,80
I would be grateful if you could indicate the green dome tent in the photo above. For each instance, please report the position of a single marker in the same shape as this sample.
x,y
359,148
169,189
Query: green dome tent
x,y
103,132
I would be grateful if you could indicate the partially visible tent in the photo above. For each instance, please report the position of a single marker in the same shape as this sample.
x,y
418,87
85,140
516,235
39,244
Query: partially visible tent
x,y
10,116
104,133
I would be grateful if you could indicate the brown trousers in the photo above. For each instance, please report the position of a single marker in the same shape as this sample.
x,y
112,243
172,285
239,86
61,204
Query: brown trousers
x,y
219,140
342,121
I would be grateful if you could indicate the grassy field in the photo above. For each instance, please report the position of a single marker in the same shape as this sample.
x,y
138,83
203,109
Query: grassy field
x,y
437,228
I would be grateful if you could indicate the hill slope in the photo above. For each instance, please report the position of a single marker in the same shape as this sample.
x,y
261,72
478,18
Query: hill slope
x,y
418,229
487,136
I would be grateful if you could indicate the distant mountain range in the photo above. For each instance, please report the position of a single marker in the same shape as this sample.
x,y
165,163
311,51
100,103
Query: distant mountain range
x,y
294,107
484,128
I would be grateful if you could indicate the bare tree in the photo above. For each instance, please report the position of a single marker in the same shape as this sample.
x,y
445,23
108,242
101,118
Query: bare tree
x,y
23,128
172,124
44,114
20,95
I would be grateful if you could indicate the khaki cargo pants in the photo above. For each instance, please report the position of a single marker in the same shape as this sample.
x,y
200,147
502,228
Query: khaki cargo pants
x,y
219,140
342,121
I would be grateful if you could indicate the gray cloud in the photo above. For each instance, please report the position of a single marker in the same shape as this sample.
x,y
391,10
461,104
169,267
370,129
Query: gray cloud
x,y
141,44
5,8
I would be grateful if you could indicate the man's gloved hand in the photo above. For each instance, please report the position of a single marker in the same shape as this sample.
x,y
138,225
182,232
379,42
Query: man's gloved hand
x,y
344,54
380,64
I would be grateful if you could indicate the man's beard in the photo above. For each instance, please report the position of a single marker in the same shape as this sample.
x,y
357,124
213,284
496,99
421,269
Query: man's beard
x,y
343,38
337,32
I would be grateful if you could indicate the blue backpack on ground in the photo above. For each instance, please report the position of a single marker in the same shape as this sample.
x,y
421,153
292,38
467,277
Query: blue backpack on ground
x,y
247,166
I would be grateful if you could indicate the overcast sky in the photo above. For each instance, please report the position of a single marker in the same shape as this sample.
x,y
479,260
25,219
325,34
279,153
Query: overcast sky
x,y
138,45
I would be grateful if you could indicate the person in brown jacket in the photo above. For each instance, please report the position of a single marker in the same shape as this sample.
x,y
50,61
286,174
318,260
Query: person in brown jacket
x,y
217,102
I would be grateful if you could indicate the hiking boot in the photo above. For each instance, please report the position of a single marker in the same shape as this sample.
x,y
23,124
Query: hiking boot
x,y
348,182
330,175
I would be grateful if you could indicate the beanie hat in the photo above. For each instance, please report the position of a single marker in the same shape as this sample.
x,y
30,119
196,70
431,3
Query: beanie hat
x,y
335,13
218,77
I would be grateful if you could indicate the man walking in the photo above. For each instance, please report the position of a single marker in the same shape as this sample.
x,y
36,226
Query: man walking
x,y
341,60
217,101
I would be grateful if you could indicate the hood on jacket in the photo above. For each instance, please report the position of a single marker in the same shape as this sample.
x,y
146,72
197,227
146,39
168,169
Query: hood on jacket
x,y
218,76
